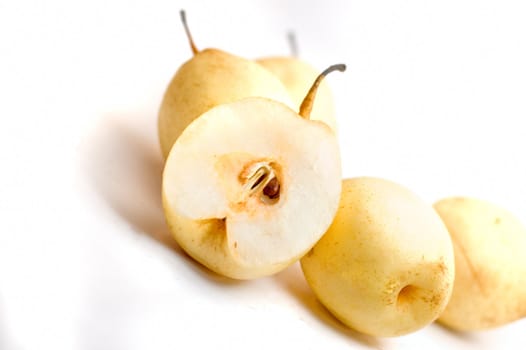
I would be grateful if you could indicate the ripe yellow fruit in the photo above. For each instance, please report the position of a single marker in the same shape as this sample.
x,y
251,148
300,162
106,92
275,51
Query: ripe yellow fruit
x,y
234,187
385,267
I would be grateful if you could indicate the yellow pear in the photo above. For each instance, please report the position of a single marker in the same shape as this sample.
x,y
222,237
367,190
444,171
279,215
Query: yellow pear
x,y
250,186
385,267
490,259
210,78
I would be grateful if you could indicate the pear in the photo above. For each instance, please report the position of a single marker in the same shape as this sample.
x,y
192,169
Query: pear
x,y
385,267
210,78
297,76
490,259
250,186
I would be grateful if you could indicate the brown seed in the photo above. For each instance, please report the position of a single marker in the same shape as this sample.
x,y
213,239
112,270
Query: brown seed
x,y
271,190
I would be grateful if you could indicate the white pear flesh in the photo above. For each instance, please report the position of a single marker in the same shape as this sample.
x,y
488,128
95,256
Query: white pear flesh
x,y
298,76
490,253
385,267
209,209
210,78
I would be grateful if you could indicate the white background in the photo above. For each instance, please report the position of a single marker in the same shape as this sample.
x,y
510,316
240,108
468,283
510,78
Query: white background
x,y
434,98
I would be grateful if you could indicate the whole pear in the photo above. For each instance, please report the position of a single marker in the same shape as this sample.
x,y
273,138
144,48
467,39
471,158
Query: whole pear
x,y
490,260
385,267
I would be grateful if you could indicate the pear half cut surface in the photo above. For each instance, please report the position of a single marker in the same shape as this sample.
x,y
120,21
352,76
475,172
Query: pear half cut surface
x,y
250,186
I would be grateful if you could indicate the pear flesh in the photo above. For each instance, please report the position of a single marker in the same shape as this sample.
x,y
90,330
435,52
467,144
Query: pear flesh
x,y
385,267
212,170
210,78
490,253
298,76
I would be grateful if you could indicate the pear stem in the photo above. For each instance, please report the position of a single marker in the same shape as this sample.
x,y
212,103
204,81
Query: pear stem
x,y
182,13
308,101
293,44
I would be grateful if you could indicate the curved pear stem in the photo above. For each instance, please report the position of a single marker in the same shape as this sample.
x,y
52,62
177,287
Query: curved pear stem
x,y
293,44
308,101
182,13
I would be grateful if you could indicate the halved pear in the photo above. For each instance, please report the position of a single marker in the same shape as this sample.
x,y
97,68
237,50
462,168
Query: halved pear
x,y
211,77
298,76
250,186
